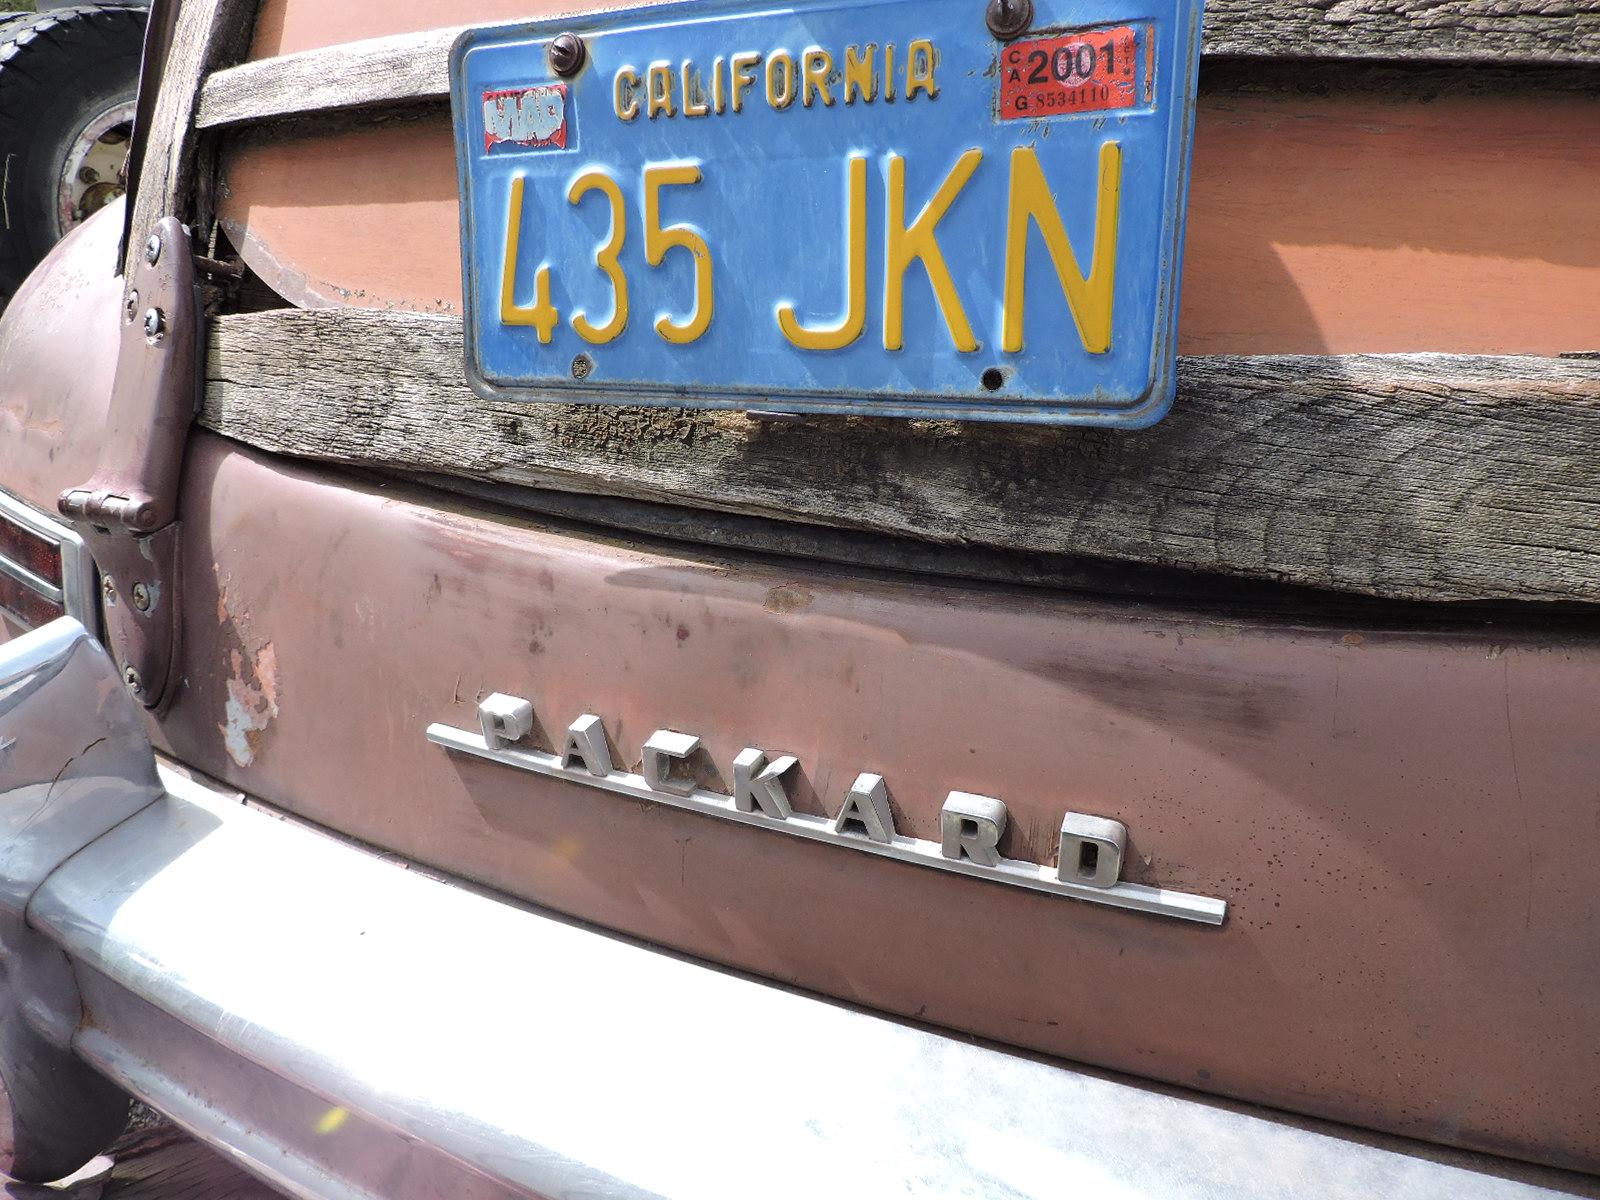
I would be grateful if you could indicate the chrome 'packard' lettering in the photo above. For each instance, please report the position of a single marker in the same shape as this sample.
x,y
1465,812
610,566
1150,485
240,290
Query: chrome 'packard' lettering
x,y
758,784
866,808
586,743
675,764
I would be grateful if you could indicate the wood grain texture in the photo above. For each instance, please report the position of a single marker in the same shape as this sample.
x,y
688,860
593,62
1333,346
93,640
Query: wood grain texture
x,y
413,66
208,33
376,72
1415,477
160,1162
1548,31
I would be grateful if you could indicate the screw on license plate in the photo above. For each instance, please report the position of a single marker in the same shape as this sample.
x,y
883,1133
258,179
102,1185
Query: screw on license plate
x,y
1009,18
567,53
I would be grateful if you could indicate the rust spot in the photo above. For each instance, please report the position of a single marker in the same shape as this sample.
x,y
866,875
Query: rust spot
x,y
1352,639
683,633
787,598
252,702
252,685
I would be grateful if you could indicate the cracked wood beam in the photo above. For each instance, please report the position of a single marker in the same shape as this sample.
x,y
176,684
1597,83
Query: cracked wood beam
x,y
1498,31
208,33
1423,477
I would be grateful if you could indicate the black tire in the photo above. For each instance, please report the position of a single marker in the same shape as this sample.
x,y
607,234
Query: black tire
x,y
58,69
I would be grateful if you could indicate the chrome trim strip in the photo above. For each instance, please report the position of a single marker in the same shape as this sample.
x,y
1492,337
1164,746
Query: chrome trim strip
x,y
77,593
534,1057
39,587
46,648
922,853
239,1136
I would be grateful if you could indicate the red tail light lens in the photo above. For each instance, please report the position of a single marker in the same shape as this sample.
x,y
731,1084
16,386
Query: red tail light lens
x,y
34,554
45,571
26,606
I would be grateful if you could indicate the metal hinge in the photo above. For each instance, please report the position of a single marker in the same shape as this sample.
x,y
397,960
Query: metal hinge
x,y
128,511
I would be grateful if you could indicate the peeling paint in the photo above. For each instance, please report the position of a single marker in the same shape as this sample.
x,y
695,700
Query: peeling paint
x,y
787,598
531,117
252,702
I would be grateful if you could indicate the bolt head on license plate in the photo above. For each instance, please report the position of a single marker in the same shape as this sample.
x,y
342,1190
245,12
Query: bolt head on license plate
x,y
847,206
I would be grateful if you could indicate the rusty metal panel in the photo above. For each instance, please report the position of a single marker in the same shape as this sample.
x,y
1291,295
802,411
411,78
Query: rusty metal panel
x,y
59,338
1400,819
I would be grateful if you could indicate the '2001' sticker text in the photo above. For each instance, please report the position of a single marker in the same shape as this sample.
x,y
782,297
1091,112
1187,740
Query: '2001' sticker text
x,y
1089,71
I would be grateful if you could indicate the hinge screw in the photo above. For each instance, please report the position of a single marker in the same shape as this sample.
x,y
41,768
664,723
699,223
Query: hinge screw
x,y
152,249
155,324
131,678
108,589
567,54
1009,18
141,597
130,307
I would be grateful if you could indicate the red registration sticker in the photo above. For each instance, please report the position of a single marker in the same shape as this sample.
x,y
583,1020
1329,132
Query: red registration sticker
x,y
1077,72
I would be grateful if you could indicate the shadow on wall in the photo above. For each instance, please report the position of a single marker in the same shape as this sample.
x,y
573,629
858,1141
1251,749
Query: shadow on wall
x,y
1359,223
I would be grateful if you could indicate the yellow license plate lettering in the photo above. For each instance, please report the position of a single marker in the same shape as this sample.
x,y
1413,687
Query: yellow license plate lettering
x,y
781,75
658,89
541,314
625,94
861,74
855,318
694,92
1030,203
919,242
658,240
818,67
608,257
1089,298
743,66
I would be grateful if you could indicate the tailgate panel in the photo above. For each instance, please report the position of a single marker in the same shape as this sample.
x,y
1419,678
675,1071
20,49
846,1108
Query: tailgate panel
x,y
1402,823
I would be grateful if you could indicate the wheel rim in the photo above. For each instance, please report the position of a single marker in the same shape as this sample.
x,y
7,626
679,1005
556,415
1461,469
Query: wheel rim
x,y
94,171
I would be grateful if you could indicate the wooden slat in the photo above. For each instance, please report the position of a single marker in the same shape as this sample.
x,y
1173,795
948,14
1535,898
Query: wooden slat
x,y
160,1162
381,71
1420,477
208,33
413,67
1548,31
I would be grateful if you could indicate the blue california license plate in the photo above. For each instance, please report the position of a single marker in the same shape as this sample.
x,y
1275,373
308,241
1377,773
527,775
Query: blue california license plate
x,y
847,206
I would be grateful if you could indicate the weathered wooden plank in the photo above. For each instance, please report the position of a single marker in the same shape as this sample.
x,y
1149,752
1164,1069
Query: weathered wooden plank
x,y
405,68
1549,31
1431,477
414,67
160,1162
208,33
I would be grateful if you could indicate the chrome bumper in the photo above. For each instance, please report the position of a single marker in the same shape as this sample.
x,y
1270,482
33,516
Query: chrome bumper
x,y
347,1027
